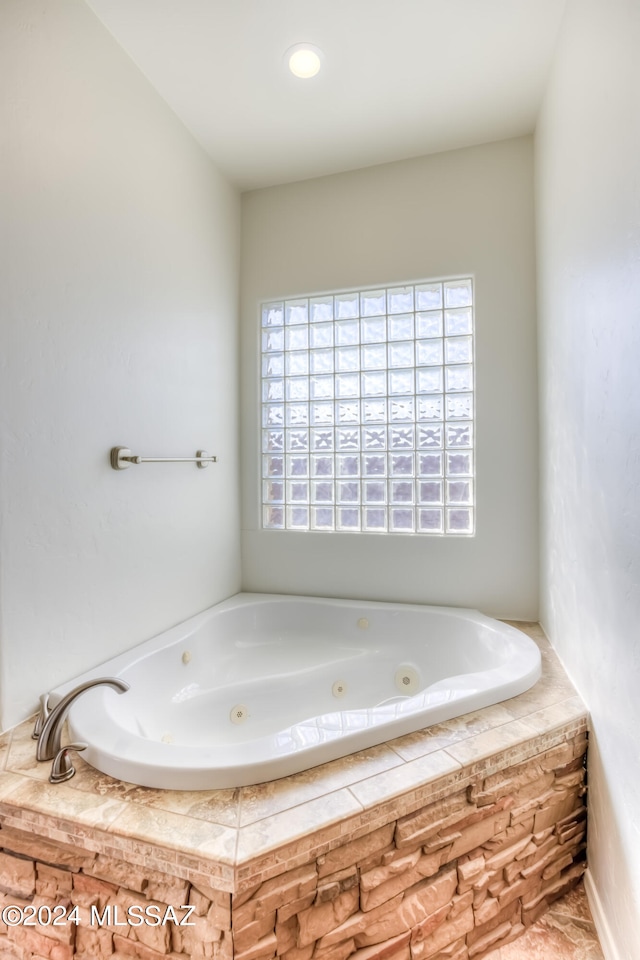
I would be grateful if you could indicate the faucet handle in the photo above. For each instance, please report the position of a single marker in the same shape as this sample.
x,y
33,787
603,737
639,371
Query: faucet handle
x,y
62,769
43,713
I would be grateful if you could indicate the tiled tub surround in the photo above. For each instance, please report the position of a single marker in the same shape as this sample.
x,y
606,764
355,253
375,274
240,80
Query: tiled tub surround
x,y
445,843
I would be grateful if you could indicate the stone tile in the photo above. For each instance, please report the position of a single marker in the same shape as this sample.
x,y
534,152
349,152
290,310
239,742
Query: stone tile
x,y
173,831
60,804
268,799
292,827
517,741
400,780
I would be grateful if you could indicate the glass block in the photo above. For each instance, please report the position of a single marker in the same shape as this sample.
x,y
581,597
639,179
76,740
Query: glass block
x,y
458,293
430,407
430,464
272,441
400,299
401,491
429,380
401,520
430,521
347,333
457,322
458,350
347,358
460,520
373,303
429,324
401,327
297,414
348,466
401,464
402,408
273,415
273,365
375,465
297,364
272,314
400,381
459,434
297,466
273,340
321,387
273,518
297,338
374,384
348,411
297,441
459,491
297,491
348,439
298,518
322,439
322,518
401,354
460,406
374,357
374,438
375,519
321,335
296,311
273,390
373,330
430,491
273,466
320,308
347,385
321,466
273,491
322,413
430,435
321,361
297,388
322,491
401,438
374,410
374,491
346,305
349,491
459,378
459,464
428,352
428,296
349,519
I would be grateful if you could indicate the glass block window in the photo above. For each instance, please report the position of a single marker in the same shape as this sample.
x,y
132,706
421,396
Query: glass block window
x,y
367,411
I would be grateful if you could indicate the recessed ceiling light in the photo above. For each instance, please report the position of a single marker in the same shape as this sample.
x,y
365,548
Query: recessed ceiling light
x,y
304,60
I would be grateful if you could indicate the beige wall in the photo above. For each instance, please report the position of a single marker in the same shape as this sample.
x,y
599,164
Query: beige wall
x,y
588,211
465,212
118,326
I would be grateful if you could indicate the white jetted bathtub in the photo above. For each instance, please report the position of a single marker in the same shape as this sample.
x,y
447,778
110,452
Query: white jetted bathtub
x,y
262,686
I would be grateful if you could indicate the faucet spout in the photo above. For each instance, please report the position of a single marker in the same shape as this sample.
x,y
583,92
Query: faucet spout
x,y
51,732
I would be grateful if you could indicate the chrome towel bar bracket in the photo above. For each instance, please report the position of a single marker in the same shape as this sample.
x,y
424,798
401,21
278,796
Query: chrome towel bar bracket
x,y
121,458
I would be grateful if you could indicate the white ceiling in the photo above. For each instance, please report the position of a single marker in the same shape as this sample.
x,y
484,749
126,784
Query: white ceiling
x,y
401,78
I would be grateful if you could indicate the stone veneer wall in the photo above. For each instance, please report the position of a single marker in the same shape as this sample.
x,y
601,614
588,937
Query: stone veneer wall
x,y
450,881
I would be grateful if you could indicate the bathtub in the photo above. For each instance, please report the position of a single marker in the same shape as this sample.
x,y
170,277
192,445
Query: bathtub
x,y
263,686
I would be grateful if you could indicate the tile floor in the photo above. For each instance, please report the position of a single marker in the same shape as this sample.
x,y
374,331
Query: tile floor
x,y
565,932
